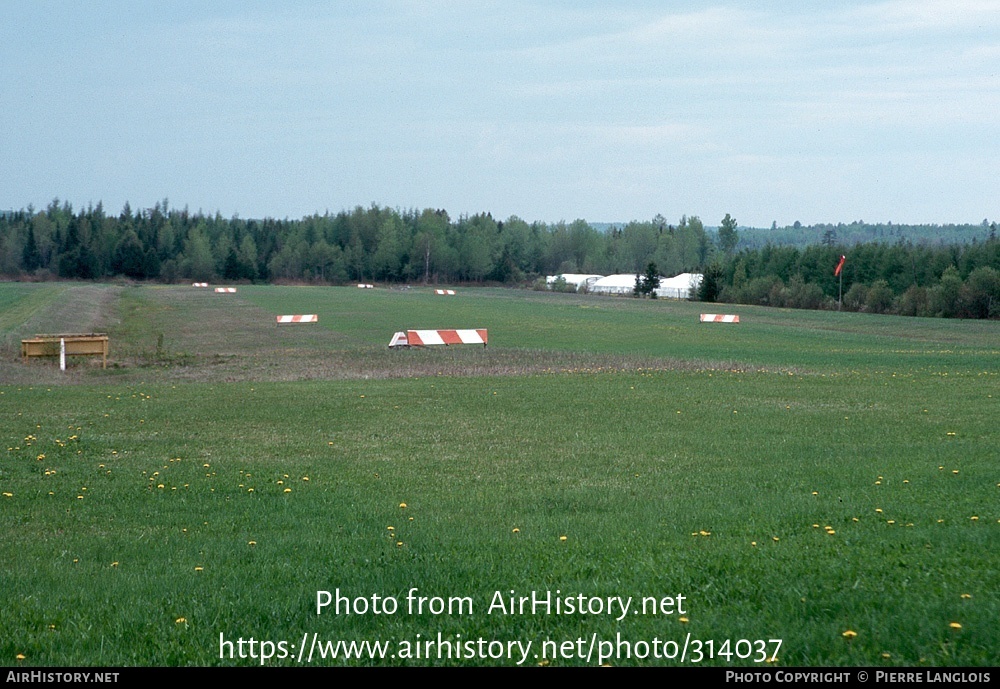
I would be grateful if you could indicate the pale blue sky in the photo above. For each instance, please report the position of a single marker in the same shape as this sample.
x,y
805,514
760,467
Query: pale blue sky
x,y
608,111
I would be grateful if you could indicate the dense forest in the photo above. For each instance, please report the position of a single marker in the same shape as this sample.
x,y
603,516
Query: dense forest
x,y
364,244
888,273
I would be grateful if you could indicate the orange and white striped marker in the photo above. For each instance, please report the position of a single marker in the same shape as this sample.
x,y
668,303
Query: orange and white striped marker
x,y
199,284
719,318
304,318
225,290
426,338
449,292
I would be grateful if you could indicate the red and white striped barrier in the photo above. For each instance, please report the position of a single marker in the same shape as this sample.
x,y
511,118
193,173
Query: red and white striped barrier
x,y
199,284
225,290
719,318
362,285
449,292
305,318
425,338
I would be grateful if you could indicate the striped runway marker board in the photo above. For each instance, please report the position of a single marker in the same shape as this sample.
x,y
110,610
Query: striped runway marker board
x,y
719,318
449,292
304,318
426,338
225,290
199,284
364,285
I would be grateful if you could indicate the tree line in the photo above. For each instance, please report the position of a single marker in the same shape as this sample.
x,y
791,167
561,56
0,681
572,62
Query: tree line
x,y
958,280
384,244
364,244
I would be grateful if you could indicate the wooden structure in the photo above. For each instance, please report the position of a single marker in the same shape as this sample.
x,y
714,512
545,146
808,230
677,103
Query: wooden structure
x,y
77,344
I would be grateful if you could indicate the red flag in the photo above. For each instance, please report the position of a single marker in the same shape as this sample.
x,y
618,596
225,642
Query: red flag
x,y
840,266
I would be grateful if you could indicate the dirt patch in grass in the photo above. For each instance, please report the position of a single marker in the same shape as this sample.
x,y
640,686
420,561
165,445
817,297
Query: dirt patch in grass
x,y
73,308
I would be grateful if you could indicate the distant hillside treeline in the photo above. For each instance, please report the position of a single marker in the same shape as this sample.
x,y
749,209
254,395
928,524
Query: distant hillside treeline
x,y
892,273
860,232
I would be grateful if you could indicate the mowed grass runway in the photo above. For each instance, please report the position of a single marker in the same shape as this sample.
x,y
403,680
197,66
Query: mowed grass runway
x,y
825,479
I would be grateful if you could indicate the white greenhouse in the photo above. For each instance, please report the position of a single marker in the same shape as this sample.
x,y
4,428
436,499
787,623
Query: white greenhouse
x,y
683,286
577,280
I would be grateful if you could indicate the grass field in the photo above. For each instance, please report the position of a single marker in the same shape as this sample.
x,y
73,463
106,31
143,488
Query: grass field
x,y
826,479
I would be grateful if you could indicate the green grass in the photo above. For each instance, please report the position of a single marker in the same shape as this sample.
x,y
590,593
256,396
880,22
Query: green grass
x,y
666,473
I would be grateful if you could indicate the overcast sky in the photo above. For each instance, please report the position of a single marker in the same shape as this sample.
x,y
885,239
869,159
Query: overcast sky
x,y
608,111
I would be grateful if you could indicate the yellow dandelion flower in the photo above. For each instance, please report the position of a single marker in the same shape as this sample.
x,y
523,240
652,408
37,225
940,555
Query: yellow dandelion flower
x,y
849,634
954,625
251,542
515,530
753,543
288,490
199,569
974,518
954,471
399,543
815,492
886,655
774,538
815,526
562,538
114,564
402,505
8,495
966,595
891,521
181,620
878,510
683,620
